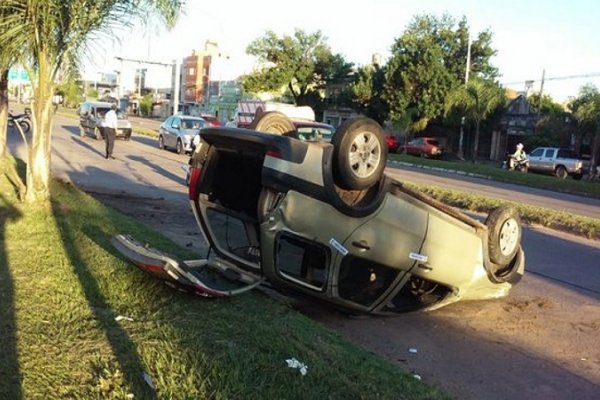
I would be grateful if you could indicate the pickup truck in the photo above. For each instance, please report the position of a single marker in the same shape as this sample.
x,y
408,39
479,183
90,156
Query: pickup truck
x,y
555,161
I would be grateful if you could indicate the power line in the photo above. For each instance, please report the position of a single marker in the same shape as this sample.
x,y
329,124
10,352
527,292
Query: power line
x,y
557,78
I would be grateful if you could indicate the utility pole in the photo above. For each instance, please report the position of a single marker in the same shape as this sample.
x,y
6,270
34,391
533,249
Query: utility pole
x,y
462,119
537,120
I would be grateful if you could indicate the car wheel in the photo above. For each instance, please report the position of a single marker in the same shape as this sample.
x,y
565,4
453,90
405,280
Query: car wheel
x,y
274,122
504,234
360,153
98,133
161,143
179,147
81,131
561,172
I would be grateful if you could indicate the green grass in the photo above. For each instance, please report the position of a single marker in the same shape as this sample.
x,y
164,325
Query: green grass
x,y
558,220
494,172
62,284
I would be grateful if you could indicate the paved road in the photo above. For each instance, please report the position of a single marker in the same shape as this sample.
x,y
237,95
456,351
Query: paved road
x,y
537,343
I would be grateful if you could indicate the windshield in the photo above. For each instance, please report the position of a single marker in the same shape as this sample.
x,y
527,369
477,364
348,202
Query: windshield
x,y
103,110
192,123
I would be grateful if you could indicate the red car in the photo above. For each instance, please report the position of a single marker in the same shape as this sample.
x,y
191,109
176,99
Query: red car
x,y
392,143
211,119
424,147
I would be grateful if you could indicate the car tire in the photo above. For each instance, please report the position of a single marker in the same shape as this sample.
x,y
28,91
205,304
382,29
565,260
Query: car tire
x,y
561,172
161,142
504,234
179,147
274,122
81,132
360,153
98,133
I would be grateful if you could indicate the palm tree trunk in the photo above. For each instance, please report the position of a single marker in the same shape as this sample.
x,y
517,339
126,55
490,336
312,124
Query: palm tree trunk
x,y
476,143
3,110
38,167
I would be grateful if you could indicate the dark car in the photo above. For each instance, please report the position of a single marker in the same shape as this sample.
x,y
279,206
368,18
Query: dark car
x,y
324,220
424,147
392,143
178,131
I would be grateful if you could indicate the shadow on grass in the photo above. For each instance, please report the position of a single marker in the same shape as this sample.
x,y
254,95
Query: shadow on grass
x,y
10,372
122,346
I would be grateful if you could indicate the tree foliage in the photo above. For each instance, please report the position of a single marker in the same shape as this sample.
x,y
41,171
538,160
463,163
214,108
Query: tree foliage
x,y
428,61
48,36
476,101
586,109
366,93
302,63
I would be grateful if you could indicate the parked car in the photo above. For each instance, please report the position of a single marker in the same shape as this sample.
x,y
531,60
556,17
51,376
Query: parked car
x,y
324,220
178,131
211,119
392,143
558,162
424,147
91,120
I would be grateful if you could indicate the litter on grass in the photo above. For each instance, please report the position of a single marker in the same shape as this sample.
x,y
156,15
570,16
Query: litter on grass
x,y
293,363
121,318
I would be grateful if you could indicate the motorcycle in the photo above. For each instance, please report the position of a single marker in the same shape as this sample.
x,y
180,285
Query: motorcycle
x,y
24,120
512,164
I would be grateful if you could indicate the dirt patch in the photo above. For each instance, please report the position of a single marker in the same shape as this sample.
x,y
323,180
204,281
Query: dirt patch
x,y
541,342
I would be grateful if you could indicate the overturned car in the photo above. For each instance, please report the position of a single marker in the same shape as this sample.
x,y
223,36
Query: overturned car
x,y
323,219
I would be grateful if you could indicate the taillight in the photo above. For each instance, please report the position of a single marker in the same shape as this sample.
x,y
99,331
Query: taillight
x,y
274,153
195,174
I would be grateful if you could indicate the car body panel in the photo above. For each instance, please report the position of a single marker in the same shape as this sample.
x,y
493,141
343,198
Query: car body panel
x,y
424,146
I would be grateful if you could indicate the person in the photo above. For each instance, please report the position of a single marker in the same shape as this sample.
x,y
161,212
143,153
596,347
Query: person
x,y
110,130
519,157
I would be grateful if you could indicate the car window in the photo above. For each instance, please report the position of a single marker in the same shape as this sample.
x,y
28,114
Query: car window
x,y
537,153
101,111
192,123
175,123
549,153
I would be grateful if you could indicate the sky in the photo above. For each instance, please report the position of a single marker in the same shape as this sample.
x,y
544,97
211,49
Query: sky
x,y
530,35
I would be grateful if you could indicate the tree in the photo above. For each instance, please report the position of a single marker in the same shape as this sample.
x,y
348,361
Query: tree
x,y
586,108
48,36
302,63
428,61
146,105
366,93
72,93
476,101
554,126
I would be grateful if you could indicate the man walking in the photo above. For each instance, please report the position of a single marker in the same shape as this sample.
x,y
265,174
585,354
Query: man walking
x,y
110,130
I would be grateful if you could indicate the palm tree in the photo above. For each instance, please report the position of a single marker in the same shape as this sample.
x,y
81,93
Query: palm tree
x,y
476,100
51,36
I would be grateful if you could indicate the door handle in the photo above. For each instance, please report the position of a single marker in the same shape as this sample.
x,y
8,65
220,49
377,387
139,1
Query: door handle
x,y
362,245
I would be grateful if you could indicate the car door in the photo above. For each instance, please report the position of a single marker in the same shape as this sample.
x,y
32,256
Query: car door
x,y
548,160
174,131
535,159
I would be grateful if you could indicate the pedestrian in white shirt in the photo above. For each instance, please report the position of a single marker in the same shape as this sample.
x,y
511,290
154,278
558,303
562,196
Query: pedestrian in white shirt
x,y
110,130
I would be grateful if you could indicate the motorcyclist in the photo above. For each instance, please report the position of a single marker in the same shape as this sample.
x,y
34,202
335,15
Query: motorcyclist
x,y
519,157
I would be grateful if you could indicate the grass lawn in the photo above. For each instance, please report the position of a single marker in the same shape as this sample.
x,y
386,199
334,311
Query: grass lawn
x,y
62,285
